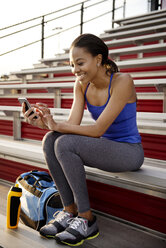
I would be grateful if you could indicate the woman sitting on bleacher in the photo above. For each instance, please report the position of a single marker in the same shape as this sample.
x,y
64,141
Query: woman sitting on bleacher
x,y
111,144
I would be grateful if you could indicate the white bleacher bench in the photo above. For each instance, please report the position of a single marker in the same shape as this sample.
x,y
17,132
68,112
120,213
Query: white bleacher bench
x,y
65,112
10,81
150,179
132,63
140,31
137,40
148,16
47,70
152,123
37,86
122,51
136,63
150,96
44,80
15,114
55,88
57,58
138,49
140,74
160,86
144,24
53,80
137,82
43,96
51,87
157,82
126,41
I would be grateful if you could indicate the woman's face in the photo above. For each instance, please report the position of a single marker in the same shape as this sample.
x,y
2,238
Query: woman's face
x,y
83,64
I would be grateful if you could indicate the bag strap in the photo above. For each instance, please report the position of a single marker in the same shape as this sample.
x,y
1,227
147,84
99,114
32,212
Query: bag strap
x,y
36,182
45,177
29,188
37,176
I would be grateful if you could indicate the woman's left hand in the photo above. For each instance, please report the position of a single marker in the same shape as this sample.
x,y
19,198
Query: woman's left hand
x,y
46,116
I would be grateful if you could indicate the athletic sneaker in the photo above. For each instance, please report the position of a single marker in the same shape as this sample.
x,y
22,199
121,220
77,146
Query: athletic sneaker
x,y
79,230
59,224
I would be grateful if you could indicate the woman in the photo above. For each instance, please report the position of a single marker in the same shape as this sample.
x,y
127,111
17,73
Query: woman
x,y
112,143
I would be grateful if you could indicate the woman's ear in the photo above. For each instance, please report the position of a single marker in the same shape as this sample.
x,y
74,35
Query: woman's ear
x,y
99,59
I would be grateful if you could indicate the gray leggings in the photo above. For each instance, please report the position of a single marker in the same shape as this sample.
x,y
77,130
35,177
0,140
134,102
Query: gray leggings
x,y
66,155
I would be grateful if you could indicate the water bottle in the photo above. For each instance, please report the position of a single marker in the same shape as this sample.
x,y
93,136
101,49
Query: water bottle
x,y
13,206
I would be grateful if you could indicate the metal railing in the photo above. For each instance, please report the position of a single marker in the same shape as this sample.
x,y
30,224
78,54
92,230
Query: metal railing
x,y
42,21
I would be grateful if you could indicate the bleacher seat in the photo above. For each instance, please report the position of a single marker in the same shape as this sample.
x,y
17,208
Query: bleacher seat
x,y
153,15
134,32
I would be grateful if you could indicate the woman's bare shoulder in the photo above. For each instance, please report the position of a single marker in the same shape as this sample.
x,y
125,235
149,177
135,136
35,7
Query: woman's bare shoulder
x,y
123,83
123,77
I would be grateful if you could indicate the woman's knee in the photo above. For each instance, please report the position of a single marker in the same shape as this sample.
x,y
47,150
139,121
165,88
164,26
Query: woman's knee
x,y
49,140
64,143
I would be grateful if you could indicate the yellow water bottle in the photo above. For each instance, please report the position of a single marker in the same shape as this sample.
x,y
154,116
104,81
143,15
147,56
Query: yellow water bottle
x,y
13,206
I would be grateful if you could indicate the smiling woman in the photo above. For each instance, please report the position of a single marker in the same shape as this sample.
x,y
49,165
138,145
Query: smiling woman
x,y
112,143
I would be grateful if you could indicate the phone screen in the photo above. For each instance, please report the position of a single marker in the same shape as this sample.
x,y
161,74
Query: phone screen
x,y
27,105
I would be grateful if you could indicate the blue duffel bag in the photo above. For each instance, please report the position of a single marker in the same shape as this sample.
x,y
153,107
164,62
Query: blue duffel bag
x,y
40,198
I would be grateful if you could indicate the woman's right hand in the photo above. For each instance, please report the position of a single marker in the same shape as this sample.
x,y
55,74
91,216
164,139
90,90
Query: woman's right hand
x,y
33,117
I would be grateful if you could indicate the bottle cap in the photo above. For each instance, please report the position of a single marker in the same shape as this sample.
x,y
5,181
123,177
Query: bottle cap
x,y
16,188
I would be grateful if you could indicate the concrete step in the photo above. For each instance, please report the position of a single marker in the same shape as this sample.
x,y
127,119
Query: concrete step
x,y
23,236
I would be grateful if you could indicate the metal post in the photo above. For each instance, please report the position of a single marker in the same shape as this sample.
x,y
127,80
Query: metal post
x,y
113,12
154,5
124,8
57,98
82,16
164,101
42,39
16,126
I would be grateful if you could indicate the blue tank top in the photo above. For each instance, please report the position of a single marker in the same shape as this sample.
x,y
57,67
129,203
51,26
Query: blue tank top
x,y
124,128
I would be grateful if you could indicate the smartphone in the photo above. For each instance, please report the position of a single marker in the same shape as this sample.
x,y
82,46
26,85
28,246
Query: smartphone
x,y
27,105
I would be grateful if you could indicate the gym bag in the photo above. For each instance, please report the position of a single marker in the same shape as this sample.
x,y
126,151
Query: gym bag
x,y
40,198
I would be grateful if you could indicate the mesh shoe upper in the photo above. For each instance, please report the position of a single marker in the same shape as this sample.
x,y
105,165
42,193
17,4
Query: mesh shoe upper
x,y
78,230
61,221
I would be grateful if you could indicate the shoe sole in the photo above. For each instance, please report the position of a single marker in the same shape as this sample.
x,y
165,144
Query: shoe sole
x,y
79,243
47,236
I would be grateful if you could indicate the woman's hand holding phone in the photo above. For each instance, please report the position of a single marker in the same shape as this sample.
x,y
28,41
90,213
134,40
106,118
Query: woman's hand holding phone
x,y
33,117
37,114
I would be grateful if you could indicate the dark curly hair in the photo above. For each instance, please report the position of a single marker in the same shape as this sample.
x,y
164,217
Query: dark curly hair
x,y
95,46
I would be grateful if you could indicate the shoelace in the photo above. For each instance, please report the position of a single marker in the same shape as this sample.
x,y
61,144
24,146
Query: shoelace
x,y
60,217
76,222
